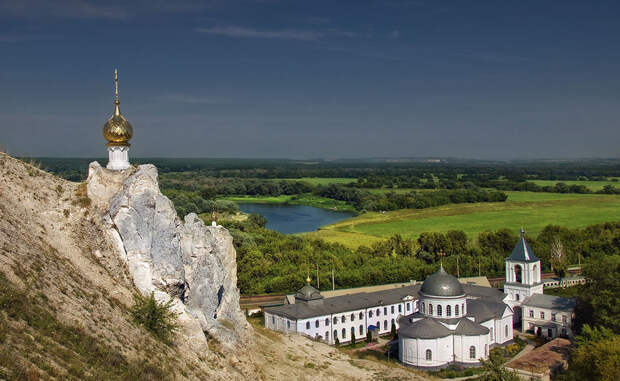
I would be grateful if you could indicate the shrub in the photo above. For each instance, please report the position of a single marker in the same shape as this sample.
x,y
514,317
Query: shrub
x,y
158,318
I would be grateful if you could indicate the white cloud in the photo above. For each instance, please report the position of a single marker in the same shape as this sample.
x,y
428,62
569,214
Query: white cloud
x,y
282,34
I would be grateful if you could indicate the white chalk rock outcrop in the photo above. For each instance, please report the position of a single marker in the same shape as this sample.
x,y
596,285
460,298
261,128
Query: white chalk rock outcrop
x,y
210,264
192,263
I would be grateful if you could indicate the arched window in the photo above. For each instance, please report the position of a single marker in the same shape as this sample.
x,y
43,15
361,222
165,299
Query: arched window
x,y
335,334
307,325
344,333
361,315
378,312
392,309
385,310
517,297
316,324
535,271
439,310
518,275
352,317
430,309
429,355
472,352
506,330
456,310
343,319
369,313
326,322
448,310
385,324
335,320
326,335
400,308
361,329
393,325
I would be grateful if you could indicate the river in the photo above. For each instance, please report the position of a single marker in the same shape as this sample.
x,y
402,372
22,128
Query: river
x,y
289,219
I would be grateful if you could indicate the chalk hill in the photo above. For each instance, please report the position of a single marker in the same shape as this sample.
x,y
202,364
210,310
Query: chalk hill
x,y
72,255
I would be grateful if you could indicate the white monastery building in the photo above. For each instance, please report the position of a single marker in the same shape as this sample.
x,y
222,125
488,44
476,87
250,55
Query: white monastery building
x,y
439,322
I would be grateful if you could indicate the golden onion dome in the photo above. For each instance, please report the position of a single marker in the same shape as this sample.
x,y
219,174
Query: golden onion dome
x,y
117,130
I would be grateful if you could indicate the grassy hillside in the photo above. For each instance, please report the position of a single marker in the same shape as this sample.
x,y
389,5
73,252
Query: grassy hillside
x,y
531,210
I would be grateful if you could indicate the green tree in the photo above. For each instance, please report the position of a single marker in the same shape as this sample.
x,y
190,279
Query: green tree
x,y
596,356
494,369
558,258
257,219
599,303
156,317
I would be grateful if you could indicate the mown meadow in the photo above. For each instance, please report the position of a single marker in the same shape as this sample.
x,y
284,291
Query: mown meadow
x,y
532,211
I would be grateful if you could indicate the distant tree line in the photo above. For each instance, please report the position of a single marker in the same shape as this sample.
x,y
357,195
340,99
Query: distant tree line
x,y
362,200
376,174
268,261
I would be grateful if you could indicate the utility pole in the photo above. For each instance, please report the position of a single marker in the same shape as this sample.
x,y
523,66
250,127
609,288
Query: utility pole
x,y
318,281
333,282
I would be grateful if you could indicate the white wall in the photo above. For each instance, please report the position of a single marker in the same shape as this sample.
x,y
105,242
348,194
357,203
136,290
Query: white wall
x,y
462,344
559,323
413,351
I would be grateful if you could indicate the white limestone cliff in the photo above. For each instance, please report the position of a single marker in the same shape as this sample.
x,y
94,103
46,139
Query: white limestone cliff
x,y
190,262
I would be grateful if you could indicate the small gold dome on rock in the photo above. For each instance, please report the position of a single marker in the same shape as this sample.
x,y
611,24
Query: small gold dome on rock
x,y
117,130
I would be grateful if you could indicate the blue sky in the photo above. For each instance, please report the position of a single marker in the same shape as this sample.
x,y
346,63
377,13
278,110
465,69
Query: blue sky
x,y
313,79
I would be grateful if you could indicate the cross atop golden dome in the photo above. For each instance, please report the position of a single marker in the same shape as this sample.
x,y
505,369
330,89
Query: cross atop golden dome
x,y
117,130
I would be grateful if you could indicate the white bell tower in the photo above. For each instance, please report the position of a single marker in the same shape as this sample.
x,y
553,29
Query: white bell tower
x,y
522,274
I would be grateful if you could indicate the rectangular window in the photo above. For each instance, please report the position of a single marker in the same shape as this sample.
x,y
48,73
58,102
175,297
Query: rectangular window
x,y
542,314
400,308
531,313
408,306
552,316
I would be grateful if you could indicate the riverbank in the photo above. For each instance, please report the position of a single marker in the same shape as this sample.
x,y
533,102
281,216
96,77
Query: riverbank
x,y
306,199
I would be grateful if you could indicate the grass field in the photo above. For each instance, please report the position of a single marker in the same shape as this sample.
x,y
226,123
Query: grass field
x,y
592,185
530,210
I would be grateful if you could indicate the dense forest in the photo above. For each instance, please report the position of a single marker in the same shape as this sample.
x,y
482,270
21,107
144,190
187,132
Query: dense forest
x,y
272,262
381,172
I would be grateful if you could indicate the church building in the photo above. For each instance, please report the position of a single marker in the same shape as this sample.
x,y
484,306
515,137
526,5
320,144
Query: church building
x,y
522,275
117,131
